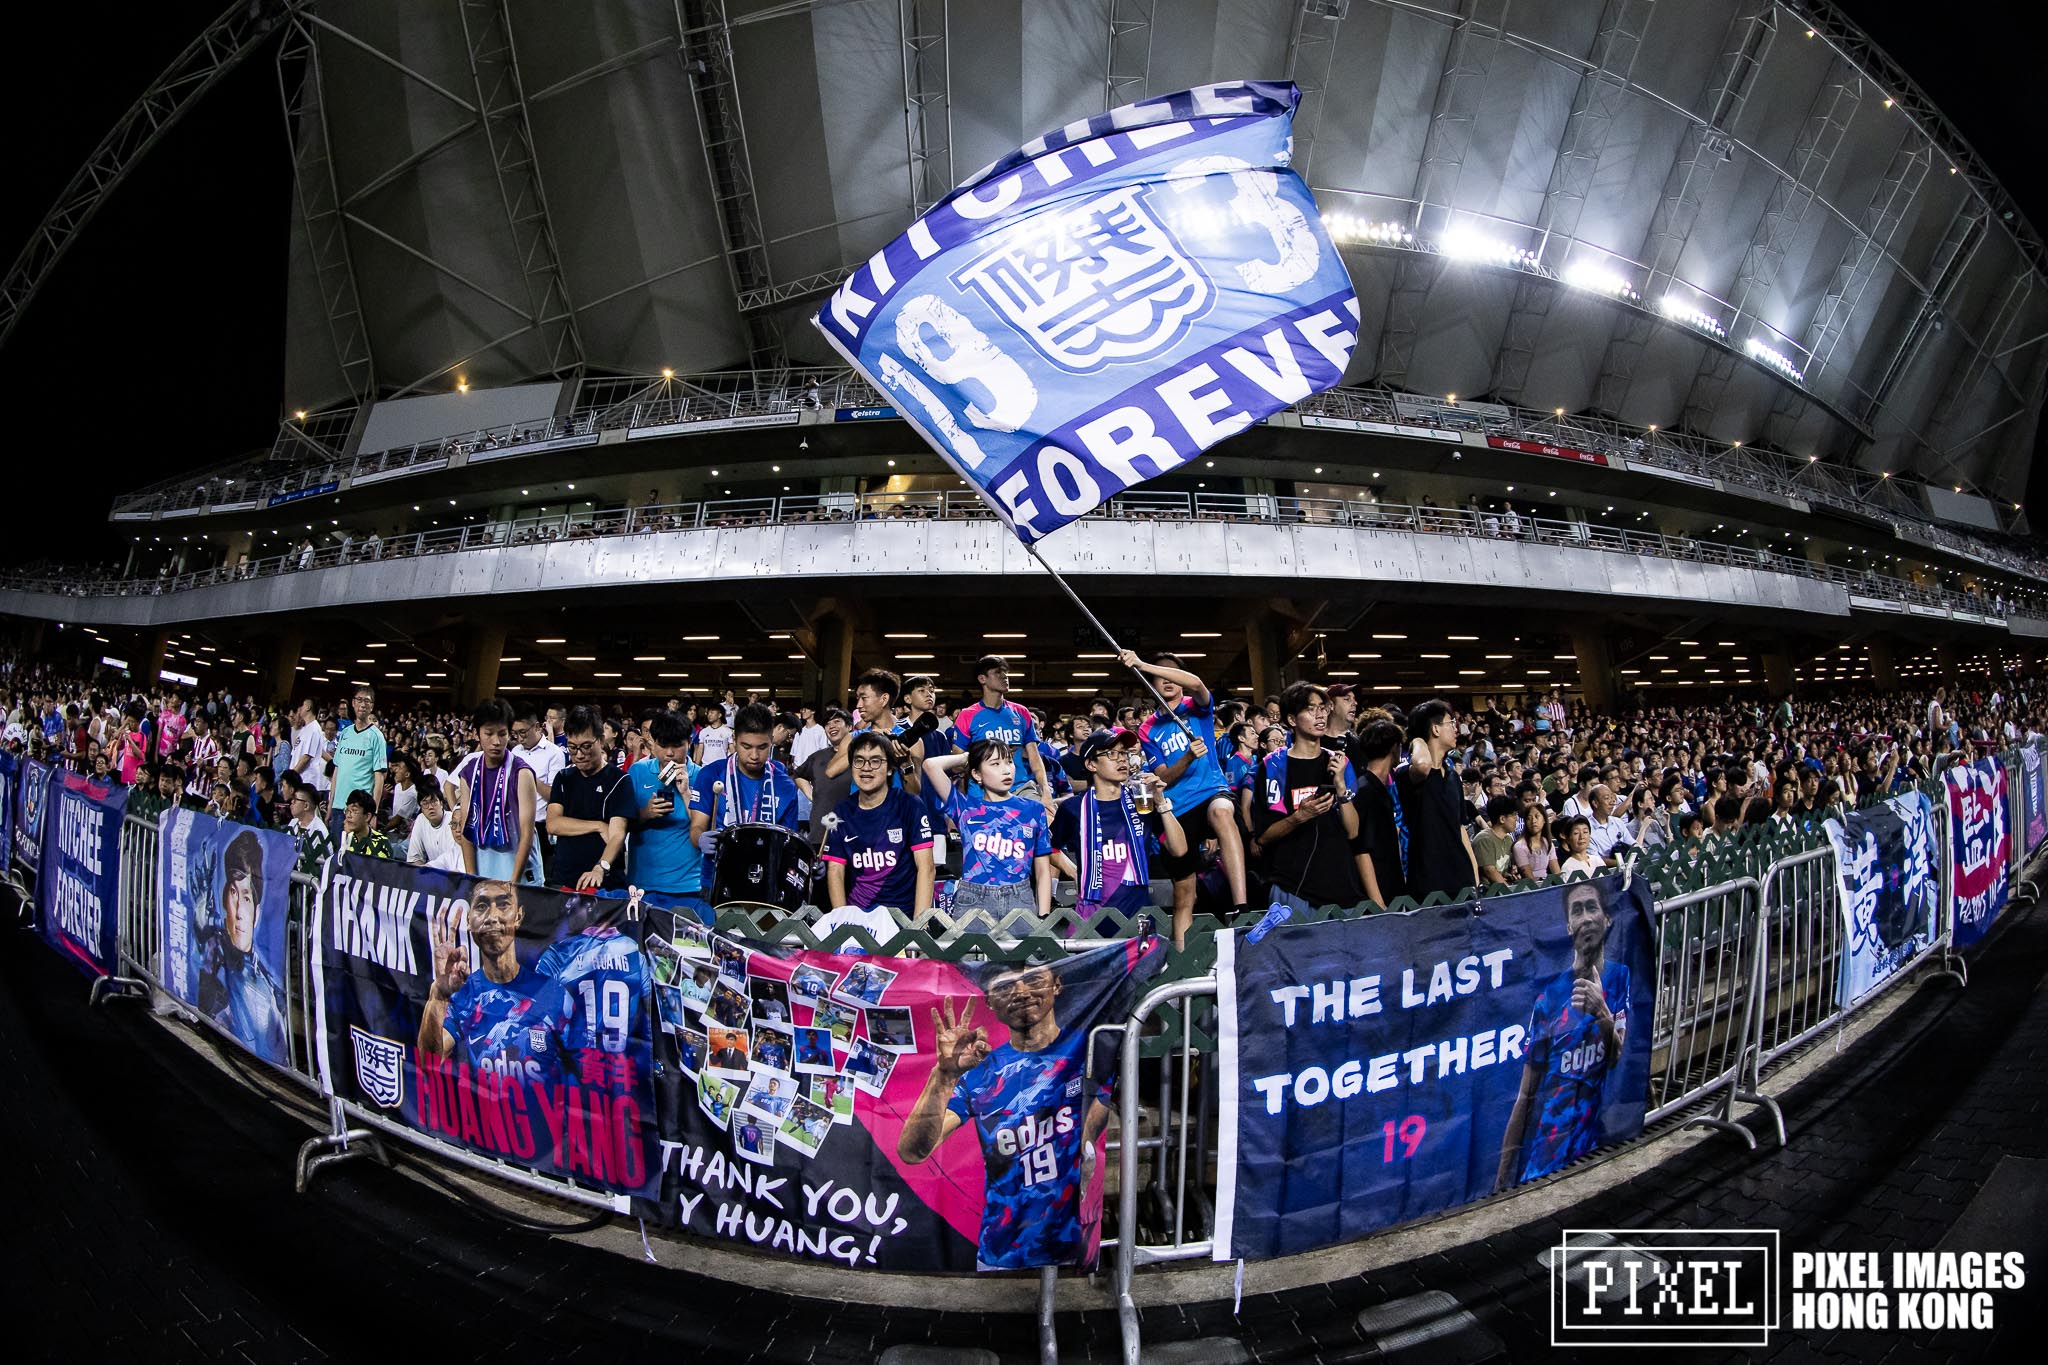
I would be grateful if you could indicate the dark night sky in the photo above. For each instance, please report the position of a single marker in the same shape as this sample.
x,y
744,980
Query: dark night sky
x,y
157,345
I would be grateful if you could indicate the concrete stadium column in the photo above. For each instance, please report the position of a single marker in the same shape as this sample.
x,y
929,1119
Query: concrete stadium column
x,y
1951,660
1778,671
1884,663
1265,648
835,658
154,650
280,677
482,650
1596,668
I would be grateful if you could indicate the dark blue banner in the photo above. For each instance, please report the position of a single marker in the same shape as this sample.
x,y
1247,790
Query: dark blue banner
x,y
10,785
1377,1070
1885,861
79,885
513,1021
226,896
864,414
301,494
31,798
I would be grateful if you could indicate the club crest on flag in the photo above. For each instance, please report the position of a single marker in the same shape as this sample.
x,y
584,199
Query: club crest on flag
x,y
380,1067
1101,282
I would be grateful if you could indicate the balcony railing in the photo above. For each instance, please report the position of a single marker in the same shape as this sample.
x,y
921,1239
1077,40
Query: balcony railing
x,y
1254,509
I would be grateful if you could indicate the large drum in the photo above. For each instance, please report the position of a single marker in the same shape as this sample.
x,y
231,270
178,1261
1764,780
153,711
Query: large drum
x,y
763,865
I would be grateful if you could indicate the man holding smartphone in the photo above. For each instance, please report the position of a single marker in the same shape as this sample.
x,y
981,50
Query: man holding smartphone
x,y
662,856
1303,819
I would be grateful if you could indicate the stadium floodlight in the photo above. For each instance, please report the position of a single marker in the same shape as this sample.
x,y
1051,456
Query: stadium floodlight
x,y
1678,310
1770,355
1463,243
1596,278
1350,227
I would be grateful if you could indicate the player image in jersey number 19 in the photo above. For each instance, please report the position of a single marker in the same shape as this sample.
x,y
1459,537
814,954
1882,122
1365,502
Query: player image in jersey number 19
x,y
1034,1110
1576,1032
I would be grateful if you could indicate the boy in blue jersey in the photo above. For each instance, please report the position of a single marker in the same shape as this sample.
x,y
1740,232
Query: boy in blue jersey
x,y
1184,758
747,786
1099,837
995,716
1576,1033
879,849
1005,842
1035,1112
503,1018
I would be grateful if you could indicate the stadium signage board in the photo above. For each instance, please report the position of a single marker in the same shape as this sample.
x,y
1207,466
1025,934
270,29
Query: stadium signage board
x,y
1543,448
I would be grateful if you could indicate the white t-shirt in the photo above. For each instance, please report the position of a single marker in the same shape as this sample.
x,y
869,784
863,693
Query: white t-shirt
x,y
1584,864
309,743
431,847
717,742
546,759
879,923
808,741
405,802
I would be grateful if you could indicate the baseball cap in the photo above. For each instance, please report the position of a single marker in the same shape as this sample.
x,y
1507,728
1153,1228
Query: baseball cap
x,y
1336,690
1097,743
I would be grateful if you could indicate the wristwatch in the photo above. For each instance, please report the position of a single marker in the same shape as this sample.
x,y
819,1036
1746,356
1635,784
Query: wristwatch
x,y
604,865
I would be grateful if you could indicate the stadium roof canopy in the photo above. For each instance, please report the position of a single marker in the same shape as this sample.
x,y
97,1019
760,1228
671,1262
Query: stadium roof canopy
x,y
1737,218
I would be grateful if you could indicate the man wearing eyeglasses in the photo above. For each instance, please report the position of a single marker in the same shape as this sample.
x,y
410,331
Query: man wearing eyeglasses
x,y
589,806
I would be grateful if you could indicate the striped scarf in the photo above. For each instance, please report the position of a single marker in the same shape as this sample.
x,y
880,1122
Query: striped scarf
x,y
493,819
1091,843
764,797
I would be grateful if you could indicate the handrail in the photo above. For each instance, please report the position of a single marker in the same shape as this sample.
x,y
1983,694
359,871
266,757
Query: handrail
x,y
962,505
675,400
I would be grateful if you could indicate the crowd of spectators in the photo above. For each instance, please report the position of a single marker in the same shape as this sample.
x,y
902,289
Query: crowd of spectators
x,y
976,803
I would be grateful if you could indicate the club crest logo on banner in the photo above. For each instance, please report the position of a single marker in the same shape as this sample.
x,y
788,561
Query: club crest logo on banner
x,y
1380,1069
380,1069
34,794
1107,301
1102,282
1891,897
1982,845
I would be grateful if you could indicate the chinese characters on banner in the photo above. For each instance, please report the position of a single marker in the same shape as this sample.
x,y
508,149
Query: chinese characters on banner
x,y
1885,866
1982,845
1376,1070
1105,302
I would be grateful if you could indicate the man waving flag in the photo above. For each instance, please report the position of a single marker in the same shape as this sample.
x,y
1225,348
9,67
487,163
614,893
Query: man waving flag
x,y
1105,302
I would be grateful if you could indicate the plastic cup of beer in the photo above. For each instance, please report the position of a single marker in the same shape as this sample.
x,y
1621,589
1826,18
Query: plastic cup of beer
x,y
1141,797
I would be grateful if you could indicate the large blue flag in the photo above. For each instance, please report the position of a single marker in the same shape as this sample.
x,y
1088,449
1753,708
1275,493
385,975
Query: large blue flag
x,y
1105,302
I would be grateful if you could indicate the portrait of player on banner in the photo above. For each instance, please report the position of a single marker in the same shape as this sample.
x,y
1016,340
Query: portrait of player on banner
x,y
1576,1032
232,985
1034,1111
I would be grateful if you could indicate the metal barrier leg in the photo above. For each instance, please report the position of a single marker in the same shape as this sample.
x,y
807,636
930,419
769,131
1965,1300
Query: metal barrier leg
x,y
1048,1337
342,1144
117,988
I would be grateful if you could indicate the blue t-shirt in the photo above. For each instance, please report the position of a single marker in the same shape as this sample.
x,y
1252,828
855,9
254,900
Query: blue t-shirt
x,y
602,975
1009,723
661,855
1237,769
998,838
1029,1109
876,847
749,798
512,1028
1567,1044
1163,743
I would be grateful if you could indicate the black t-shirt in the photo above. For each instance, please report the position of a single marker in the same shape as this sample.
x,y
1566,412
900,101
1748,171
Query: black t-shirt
x,y
1379,838
607,794
1315,861
1434,805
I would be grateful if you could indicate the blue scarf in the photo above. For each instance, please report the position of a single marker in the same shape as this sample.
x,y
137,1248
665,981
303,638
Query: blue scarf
x,y
1091,843
764,798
